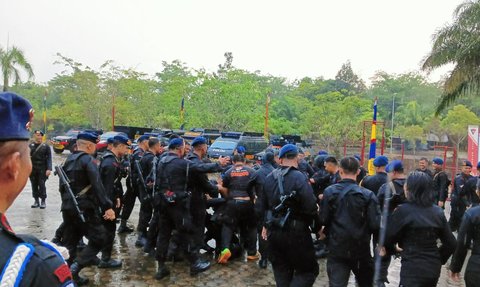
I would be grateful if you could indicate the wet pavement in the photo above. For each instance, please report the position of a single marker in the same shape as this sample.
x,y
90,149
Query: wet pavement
x,y
139,269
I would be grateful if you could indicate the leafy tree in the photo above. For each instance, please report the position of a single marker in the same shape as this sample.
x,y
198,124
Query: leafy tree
x,y
12,61
456,123
346,76
458,44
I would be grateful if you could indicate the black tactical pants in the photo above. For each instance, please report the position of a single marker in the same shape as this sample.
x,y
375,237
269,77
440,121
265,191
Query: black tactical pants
x,y
75,229
456,214
338,270
176,217
144,217
472,276
152,232
38,178
241,216
292,256
129,199
110,228
198,208
418,282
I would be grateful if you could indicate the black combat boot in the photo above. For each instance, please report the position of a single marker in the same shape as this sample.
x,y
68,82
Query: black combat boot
x,y
75,269
162,272
110,263
141,240
199,266
43,205
36,204
263,263
123,228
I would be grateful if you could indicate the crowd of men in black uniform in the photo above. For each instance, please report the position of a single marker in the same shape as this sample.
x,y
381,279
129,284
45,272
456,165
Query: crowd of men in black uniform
x,y
293,210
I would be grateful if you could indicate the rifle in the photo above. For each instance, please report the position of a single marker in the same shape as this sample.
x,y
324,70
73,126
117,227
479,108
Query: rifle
x,y
145,196
383,232
65,182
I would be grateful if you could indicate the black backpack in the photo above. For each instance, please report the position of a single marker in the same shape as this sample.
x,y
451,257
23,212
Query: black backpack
x,y
351,213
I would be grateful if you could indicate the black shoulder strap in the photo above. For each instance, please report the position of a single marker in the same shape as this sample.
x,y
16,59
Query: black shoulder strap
x,y
347,190
279,174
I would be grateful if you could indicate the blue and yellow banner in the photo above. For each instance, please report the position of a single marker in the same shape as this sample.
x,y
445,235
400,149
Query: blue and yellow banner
x,y
373,141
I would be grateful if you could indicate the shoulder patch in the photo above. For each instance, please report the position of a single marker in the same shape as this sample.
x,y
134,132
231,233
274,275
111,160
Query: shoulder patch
x,y
63,273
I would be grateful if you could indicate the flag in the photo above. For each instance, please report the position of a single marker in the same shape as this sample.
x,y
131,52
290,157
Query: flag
x,y
45,116
182,110
373,141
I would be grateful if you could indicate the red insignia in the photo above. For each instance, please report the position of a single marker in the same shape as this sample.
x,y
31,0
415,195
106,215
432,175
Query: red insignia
x,y
28,125
5,223
63,273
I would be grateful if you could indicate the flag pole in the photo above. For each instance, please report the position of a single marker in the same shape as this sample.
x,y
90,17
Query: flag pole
x,y
265,131
373,140
45,115
182,111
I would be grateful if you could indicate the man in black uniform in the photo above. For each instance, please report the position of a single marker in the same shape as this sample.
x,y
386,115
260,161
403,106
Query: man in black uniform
x,y
82,171
147,162
350,215
111,176
440,182
25,261
200,187
459,201
374,182
132,193
174,184
41,156
237,187
395,189
268,165
289,204
423,166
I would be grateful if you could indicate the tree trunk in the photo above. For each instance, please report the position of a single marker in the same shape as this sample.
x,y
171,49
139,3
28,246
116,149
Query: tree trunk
x,y
5,83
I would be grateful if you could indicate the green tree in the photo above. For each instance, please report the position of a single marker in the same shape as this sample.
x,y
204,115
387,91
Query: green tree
x,y
456,123
347,76
458,44
12,61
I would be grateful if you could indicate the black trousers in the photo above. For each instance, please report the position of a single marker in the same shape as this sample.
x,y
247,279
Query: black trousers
x,y
176,217
75,229
456,213
129,199
338,270
292,256
418,282
198,208
152,232
146,213
241,216
37,179
110,228
472,276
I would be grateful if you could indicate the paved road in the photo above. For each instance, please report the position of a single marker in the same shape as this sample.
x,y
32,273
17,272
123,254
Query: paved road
x,y
138,269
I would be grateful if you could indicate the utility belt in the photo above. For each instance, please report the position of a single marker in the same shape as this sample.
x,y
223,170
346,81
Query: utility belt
x,y
240,201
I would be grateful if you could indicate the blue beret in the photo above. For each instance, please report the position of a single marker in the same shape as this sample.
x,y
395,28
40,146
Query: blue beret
x,y
380,160
16,115
241,149
467,163
322,152
143,138
121,139
288,148
198,141
91,137
395,165
437,160
357,156
110,140
175,142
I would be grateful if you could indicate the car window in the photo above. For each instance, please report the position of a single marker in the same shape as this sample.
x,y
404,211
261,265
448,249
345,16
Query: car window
x,y
224,145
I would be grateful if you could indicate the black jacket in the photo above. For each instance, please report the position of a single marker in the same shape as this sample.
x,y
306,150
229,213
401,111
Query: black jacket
x,y
111,175
374,182
41,156
305,207
416,229
469,230
44,268
440,185
398,196
82,170
345,246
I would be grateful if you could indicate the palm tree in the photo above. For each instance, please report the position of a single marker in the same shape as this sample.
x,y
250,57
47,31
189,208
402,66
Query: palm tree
x,y
11,60
458,44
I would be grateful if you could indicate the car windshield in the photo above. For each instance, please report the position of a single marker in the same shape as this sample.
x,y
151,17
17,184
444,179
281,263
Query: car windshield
x,y
107,135
72,133
224,145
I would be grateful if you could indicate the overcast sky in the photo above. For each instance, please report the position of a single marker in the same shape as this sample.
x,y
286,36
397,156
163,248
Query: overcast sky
x,y
293,39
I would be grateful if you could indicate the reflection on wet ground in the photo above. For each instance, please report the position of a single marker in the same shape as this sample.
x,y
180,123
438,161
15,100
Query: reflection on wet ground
x,y
139,269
